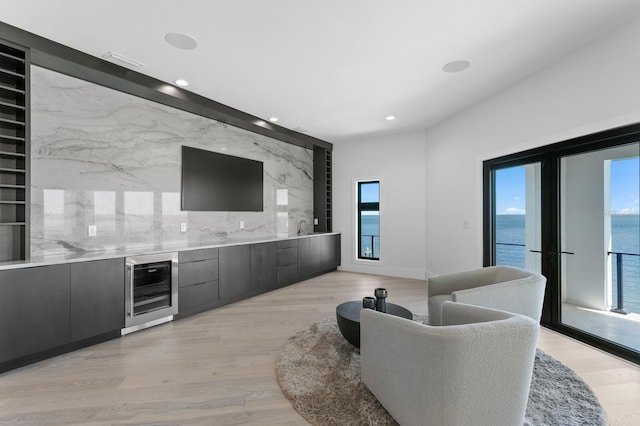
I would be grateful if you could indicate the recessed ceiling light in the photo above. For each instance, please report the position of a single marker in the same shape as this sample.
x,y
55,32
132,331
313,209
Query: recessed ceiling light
x,y
391,117
181,41
456,66
182,83
273,119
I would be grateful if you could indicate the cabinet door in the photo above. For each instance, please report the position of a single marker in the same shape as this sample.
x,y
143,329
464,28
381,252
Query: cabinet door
x,y
304,257
197,297
234,273
330,252
34,310
315,254
97,298
263,267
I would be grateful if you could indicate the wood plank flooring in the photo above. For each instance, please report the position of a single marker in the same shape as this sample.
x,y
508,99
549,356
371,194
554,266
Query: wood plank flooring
x,y
217,368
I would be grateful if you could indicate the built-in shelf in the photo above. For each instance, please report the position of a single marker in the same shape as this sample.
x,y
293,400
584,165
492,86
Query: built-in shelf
x,y
14,57
7,170
12,89
12,73
13,122
14,152
10,105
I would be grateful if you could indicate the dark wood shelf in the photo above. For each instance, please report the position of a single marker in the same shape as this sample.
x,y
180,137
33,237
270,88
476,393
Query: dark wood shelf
x,y
13,138
12,73
12,122
12,202
7,170
12,89
15,58
12,154
10,105
12,186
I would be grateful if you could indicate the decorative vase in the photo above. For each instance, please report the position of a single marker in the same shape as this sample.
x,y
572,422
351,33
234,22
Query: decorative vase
x,y
369,302
381,296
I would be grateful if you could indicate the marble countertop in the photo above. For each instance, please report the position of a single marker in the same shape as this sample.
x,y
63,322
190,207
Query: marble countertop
x,y
85,256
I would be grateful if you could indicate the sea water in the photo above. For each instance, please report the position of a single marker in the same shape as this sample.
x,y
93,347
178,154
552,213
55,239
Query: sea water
x,y
625,238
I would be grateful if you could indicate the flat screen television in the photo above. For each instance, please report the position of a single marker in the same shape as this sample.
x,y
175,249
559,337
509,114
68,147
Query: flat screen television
x,y
219,182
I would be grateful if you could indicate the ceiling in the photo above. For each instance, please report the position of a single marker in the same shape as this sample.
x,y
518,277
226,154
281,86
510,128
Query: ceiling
x,y
333,69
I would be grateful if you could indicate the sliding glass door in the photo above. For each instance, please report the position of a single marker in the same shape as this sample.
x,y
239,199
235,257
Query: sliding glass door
x,y
570,211
600,240
516,213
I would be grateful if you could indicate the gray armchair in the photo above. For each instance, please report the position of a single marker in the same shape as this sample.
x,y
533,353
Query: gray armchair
x,y
499,287
475,369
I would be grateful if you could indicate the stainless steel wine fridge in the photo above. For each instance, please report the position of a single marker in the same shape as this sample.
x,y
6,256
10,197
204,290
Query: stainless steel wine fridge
x,y
151,290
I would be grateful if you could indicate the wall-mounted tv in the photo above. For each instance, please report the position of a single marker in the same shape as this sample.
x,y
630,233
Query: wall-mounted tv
x,y
219,182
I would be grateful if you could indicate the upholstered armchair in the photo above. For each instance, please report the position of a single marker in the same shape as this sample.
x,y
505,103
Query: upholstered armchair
x,y
475,369
499,287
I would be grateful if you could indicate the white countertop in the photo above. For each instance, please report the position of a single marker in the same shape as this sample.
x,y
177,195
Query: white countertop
x,y
85,256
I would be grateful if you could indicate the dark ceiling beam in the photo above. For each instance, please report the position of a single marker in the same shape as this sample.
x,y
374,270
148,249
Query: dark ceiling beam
x,y
63,59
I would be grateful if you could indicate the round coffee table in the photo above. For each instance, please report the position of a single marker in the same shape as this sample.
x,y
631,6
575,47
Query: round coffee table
x,y
348,316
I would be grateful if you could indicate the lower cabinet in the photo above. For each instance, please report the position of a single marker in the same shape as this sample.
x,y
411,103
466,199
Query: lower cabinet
x,y
287,262
198,281
35,306
235,273
97,298
263,268
330,252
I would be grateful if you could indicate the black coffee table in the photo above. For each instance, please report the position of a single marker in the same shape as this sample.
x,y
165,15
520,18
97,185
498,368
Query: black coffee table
x,y
348,316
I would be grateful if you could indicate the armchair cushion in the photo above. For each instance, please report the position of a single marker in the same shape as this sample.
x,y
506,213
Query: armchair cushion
x,y
499,287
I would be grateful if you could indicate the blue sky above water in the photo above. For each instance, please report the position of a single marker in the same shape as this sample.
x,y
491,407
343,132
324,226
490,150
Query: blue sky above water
x,y
625,188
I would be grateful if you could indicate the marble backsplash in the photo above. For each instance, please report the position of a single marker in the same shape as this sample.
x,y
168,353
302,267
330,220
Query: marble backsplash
x,y
105,159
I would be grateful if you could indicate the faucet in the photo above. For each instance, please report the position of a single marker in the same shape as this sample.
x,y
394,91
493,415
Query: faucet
x,y
301,227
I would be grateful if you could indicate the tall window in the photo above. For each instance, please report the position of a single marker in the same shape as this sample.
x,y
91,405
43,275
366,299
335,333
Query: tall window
x,y
369,220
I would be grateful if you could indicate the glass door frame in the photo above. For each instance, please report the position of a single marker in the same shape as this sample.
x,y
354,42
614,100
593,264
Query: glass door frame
x,y
549,157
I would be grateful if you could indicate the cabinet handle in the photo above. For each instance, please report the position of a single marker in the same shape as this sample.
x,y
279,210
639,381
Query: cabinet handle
x,y
131,275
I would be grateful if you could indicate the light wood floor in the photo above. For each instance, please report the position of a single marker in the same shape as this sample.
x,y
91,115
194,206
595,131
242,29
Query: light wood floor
x,y
217,368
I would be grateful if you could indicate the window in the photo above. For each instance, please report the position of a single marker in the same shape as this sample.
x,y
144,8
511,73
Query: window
x,y
369,220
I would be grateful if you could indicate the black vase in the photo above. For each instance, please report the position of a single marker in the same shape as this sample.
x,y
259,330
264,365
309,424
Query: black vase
x,y
369,302
381,302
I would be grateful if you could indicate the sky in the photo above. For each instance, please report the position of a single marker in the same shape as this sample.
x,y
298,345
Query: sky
x,y
625,188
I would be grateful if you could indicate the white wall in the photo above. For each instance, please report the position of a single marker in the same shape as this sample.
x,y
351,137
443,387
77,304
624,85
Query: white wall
x,y
595,88
399,162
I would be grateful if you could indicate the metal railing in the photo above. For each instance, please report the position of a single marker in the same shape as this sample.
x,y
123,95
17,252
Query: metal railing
x,y
510,254
621,275
368,246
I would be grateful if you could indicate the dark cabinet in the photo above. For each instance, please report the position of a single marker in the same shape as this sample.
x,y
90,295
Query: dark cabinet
x,y
287,262
198,278
97,298
304,257
263,268
235,273
330,252
34,310
315,254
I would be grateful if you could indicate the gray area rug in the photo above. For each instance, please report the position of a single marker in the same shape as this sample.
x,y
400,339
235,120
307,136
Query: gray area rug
x,y
319,371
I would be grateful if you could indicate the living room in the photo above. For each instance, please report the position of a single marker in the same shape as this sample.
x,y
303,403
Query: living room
x,y
431,221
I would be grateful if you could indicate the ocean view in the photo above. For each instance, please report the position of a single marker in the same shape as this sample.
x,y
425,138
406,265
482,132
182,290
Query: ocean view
x,y
370,236
625,236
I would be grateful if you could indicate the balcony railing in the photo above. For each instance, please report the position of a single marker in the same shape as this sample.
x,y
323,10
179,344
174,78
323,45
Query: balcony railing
x,y
369,246
626,275
510,254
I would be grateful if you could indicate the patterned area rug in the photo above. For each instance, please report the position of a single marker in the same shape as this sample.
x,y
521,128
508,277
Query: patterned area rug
x,y
319,371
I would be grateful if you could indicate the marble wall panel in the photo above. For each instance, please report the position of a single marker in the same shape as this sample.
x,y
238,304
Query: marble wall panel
x,y
108,159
